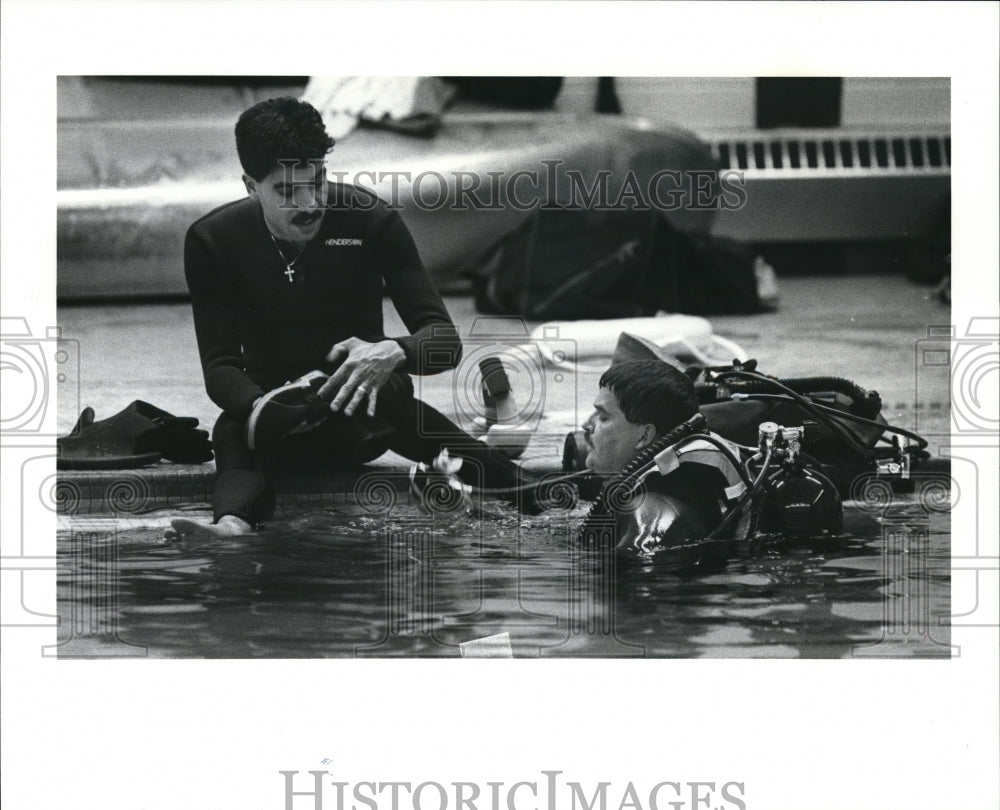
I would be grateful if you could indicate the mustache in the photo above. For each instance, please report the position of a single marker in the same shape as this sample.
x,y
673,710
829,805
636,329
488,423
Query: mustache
x,y
306,218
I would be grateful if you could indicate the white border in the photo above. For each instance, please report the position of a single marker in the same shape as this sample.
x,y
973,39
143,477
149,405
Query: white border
x,y
839,734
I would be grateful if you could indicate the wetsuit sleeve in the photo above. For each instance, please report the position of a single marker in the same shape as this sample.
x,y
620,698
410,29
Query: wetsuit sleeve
x,y
433,344
217,326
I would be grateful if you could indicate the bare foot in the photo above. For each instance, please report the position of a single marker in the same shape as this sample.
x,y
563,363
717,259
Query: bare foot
x,y
228,526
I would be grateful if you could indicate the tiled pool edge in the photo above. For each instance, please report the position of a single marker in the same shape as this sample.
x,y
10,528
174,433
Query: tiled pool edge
x,y
126,493
133,492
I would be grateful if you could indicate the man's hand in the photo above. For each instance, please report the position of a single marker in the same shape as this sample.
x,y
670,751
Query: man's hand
x,y
364,370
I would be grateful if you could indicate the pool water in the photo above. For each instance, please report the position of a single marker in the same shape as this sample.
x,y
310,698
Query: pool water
x,y
343,582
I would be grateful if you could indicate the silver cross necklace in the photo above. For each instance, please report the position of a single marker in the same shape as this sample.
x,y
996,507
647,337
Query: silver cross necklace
x,y
289,265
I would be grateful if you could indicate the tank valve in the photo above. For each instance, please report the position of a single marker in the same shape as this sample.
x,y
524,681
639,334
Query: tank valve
x,y
783,442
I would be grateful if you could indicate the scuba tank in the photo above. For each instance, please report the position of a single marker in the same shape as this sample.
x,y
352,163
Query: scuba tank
x,y
786,491
846,433
775,490
771,486
797,501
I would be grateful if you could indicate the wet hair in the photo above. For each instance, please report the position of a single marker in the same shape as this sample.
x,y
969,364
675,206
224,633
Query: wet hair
x,y
651,392
280,129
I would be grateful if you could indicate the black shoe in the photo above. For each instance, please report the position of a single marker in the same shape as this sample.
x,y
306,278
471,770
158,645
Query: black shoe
x,y
295,407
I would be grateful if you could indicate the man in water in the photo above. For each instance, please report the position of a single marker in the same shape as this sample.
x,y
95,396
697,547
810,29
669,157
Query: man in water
x,y
288,283
637,402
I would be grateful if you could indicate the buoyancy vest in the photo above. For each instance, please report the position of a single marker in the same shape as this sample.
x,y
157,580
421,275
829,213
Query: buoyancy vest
x,y
702,474
675,463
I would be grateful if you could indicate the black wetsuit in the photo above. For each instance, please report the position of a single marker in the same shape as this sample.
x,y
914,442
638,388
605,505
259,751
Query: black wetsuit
x,y
259,326
670,516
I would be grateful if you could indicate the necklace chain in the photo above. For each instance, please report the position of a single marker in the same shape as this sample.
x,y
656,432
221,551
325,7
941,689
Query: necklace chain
x,y
289,265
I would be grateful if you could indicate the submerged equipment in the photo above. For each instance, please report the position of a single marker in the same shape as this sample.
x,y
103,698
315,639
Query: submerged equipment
x,y
785,491
755,431
775,490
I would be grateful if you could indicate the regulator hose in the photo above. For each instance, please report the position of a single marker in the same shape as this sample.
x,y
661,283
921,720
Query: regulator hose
x,y
747,498
863,403
530,486
920,440
642,459
808,405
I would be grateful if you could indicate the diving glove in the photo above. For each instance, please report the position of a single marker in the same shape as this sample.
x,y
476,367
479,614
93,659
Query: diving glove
x,y
138,435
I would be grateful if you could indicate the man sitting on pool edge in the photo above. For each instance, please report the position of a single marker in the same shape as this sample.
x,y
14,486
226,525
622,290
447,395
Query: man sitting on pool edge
x,y
288,283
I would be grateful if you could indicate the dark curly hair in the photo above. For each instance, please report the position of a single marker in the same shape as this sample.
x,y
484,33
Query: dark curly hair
x,y
651,392
280,129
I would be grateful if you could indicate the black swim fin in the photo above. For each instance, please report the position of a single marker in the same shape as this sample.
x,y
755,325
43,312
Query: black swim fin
x,y
138,435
